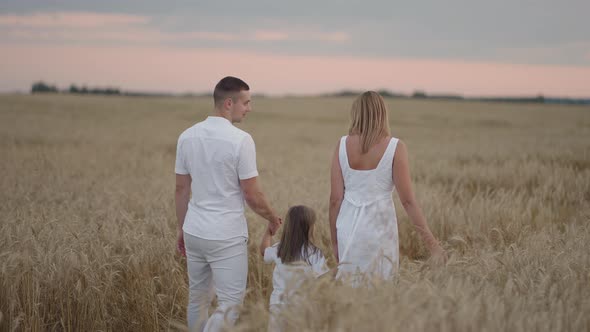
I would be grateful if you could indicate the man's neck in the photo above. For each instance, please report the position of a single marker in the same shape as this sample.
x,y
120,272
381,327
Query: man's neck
x,y
221,114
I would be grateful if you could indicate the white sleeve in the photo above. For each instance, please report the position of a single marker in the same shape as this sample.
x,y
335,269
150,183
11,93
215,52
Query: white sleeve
x,y
180,167
318,265
270,254
247,159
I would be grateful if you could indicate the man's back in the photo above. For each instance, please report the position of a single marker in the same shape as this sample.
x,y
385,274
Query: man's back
x,y
216,162
216,155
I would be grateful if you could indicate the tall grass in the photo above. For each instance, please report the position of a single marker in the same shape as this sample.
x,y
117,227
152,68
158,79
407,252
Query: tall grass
x,y
87,228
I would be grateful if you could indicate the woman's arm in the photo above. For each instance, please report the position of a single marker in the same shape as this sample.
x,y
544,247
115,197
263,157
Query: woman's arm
x,y
403,183
266,240
336,197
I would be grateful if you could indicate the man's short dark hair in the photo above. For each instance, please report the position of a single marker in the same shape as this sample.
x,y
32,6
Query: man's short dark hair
x,y
227,87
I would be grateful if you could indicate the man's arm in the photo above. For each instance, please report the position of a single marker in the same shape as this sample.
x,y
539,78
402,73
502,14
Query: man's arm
x,y
182,196
258,203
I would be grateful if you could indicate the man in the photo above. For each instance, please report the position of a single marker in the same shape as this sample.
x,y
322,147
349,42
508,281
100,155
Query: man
x,y
216,162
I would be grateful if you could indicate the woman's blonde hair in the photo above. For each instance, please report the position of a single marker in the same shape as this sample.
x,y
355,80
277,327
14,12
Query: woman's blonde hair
x,y
368,119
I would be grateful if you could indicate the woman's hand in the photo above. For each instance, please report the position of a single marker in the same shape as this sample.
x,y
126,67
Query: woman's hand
x,y
438,255
180,243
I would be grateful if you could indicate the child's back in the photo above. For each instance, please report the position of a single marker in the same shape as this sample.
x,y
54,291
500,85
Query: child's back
x,y
295,256
312,265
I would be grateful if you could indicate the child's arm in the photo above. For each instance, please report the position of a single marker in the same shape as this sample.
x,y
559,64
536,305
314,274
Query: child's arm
x,y
319,266
266,241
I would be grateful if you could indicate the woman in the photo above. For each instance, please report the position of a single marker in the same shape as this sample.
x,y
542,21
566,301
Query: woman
x,y
367,165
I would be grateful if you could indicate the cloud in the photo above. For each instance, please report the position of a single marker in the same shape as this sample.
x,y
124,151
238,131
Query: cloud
x,y
299,35
269,36
85,27
199,35
334,37
71,20
146,35
88,28
426,29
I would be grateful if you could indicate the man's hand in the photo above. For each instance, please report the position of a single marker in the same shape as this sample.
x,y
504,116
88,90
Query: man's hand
x,y
274,225
181,199
180,243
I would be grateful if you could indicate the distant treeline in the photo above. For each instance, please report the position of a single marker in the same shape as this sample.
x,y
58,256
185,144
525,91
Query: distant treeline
x,y
42,87
423,95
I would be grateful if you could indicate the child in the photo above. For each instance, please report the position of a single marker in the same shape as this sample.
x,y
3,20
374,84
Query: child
x,y
294,255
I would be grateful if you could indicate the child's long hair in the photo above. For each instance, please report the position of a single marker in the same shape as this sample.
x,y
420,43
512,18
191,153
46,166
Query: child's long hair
x,y
295,242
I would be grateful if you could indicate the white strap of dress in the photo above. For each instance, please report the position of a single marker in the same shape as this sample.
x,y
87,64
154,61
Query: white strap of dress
x,y
389,153
342,157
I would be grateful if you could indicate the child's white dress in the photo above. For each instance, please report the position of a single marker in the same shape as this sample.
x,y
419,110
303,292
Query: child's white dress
x,y
285,277
367,224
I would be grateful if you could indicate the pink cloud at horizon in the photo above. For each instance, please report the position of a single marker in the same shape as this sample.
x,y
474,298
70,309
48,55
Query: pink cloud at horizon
x,y
70,20
197,70
89,28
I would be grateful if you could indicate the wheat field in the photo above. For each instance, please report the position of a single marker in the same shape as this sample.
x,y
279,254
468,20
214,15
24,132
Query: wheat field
x,y
87,228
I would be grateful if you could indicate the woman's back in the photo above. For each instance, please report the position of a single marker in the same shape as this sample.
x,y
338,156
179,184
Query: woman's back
x,y
366,223
365,161
367,177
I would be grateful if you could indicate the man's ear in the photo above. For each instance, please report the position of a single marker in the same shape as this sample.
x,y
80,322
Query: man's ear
x,y
228,102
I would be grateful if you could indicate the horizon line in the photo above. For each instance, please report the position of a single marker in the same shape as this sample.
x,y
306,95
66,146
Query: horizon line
x,y
331,93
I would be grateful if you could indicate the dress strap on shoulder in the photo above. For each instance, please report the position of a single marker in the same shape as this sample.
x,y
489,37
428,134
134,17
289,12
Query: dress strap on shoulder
x,y
390,151
342,157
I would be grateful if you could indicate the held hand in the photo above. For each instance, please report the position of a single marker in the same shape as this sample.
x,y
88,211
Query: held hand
x,y
180,244
274,225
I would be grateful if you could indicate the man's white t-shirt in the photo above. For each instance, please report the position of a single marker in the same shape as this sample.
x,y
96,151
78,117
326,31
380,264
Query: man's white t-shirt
x,y
217,155
313,266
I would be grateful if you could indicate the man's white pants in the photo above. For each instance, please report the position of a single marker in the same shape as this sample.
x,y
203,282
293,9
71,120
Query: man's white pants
x,y
222,264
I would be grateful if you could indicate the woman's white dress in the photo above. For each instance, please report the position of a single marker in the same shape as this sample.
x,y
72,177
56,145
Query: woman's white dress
x,y
367,225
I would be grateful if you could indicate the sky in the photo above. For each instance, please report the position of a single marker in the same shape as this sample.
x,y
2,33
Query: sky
x,y
473,48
